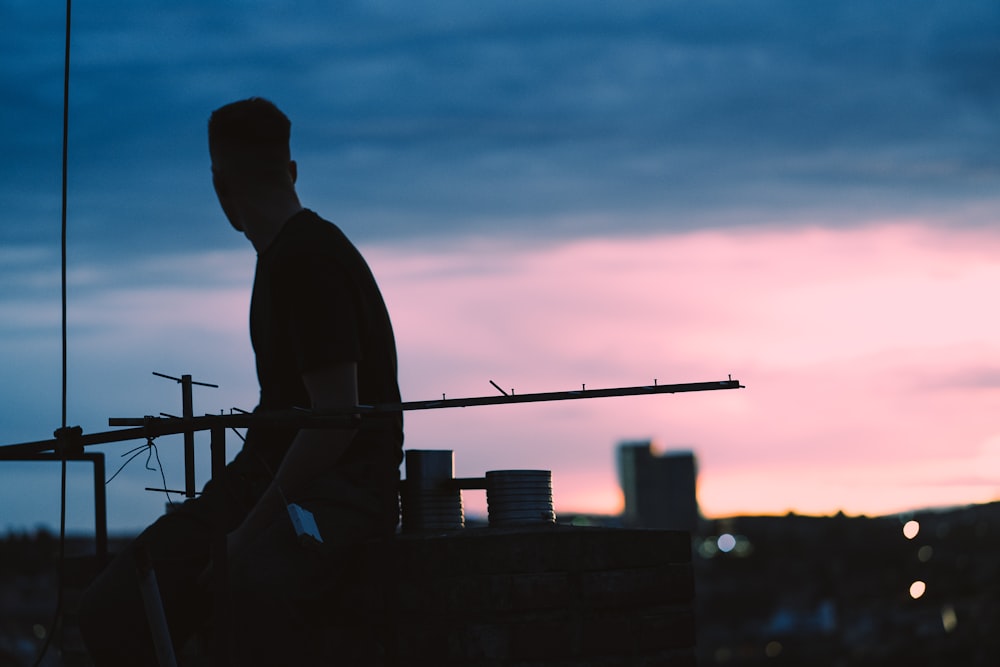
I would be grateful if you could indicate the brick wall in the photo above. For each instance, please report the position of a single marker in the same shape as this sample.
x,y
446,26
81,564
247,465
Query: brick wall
x,y
557,596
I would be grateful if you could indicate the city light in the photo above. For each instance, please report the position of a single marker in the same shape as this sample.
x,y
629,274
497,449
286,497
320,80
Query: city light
x,y
911,529
949,619
917,589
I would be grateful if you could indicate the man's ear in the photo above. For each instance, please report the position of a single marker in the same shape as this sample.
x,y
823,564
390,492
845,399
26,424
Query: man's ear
x,y
293,171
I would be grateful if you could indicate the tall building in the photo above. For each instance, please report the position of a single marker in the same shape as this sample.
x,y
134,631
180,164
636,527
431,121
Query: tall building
x,y
660,490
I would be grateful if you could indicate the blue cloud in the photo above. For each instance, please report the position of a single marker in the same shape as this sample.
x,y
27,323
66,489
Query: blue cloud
x,y
418,119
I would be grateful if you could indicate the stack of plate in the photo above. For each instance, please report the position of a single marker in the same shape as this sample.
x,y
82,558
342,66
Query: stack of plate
x,y
430,501
431,507
519,497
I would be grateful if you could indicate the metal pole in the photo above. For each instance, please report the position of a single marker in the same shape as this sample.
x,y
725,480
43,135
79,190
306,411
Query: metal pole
x,y
100,508
152,602
100,492
187,407
220,564
574,394
154,426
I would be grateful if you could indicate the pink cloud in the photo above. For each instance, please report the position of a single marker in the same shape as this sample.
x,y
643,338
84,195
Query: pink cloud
x,y
871,358
849,342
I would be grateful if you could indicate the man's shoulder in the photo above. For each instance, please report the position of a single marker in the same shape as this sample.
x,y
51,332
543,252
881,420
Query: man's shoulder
x,y
308,233
308,222
309,245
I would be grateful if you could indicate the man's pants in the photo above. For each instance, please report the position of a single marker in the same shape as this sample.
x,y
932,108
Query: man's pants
x,y
273,591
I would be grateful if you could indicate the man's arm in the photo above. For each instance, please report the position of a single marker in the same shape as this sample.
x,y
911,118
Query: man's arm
x,y
312,452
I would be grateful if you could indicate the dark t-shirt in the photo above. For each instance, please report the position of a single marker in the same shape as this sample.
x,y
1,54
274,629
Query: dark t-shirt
x,y
315,302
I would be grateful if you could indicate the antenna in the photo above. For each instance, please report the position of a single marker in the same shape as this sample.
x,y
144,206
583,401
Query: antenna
x,y
187,408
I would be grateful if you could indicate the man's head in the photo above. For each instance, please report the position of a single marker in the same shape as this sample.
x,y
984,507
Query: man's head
x,y
248,141
251,134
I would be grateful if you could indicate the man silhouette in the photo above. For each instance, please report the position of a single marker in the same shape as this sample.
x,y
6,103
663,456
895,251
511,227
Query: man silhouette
x,y
322,339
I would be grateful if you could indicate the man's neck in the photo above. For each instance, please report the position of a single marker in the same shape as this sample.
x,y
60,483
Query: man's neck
x,y
264,220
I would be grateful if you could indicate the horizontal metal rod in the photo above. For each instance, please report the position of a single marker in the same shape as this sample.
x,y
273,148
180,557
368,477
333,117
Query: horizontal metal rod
x,y
154,427
173,491
562,395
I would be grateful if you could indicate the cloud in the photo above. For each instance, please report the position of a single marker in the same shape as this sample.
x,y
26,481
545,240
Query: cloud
x,y
419,120
849,342
982,374
800,194
834,332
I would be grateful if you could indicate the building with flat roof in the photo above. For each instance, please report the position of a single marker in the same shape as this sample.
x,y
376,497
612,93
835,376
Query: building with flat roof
x,y
660,489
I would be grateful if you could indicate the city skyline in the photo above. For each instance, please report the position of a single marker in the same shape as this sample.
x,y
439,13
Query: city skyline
x,y
551,194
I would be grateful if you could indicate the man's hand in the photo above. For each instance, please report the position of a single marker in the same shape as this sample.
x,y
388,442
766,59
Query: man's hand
x,y
312,452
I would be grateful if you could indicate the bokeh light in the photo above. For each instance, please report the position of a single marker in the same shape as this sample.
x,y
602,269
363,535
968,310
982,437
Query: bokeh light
x,y
949,619
911,529
917,589
723,654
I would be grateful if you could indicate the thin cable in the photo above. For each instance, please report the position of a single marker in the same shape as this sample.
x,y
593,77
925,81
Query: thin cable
x,y
151,451
132,455
65,179
62,487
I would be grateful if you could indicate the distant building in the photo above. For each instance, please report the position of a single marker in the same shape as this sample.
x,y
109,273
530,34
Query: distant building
x,y
660,490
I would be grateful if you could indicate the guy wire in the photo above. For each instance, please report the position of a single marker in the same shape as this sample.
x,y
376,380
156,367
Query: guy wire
x,y
62,486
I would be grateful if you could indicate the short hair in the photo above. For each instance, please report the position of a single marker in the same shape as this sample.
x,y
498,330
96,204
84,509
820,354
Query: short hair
x,y
252,135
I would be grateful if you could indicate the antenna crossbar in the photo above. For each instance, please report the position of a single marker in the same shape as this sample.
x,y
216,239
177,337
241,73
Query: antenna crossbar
x,y
583,392
147,427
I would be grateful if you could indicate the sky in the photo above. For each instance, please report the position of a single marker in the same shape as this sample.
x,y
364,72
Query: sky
x,y
802,196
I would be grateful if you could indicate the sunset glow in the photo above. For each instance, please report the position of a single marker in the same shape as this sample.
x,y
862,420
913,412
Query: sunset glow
x,y
616,195
866,354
